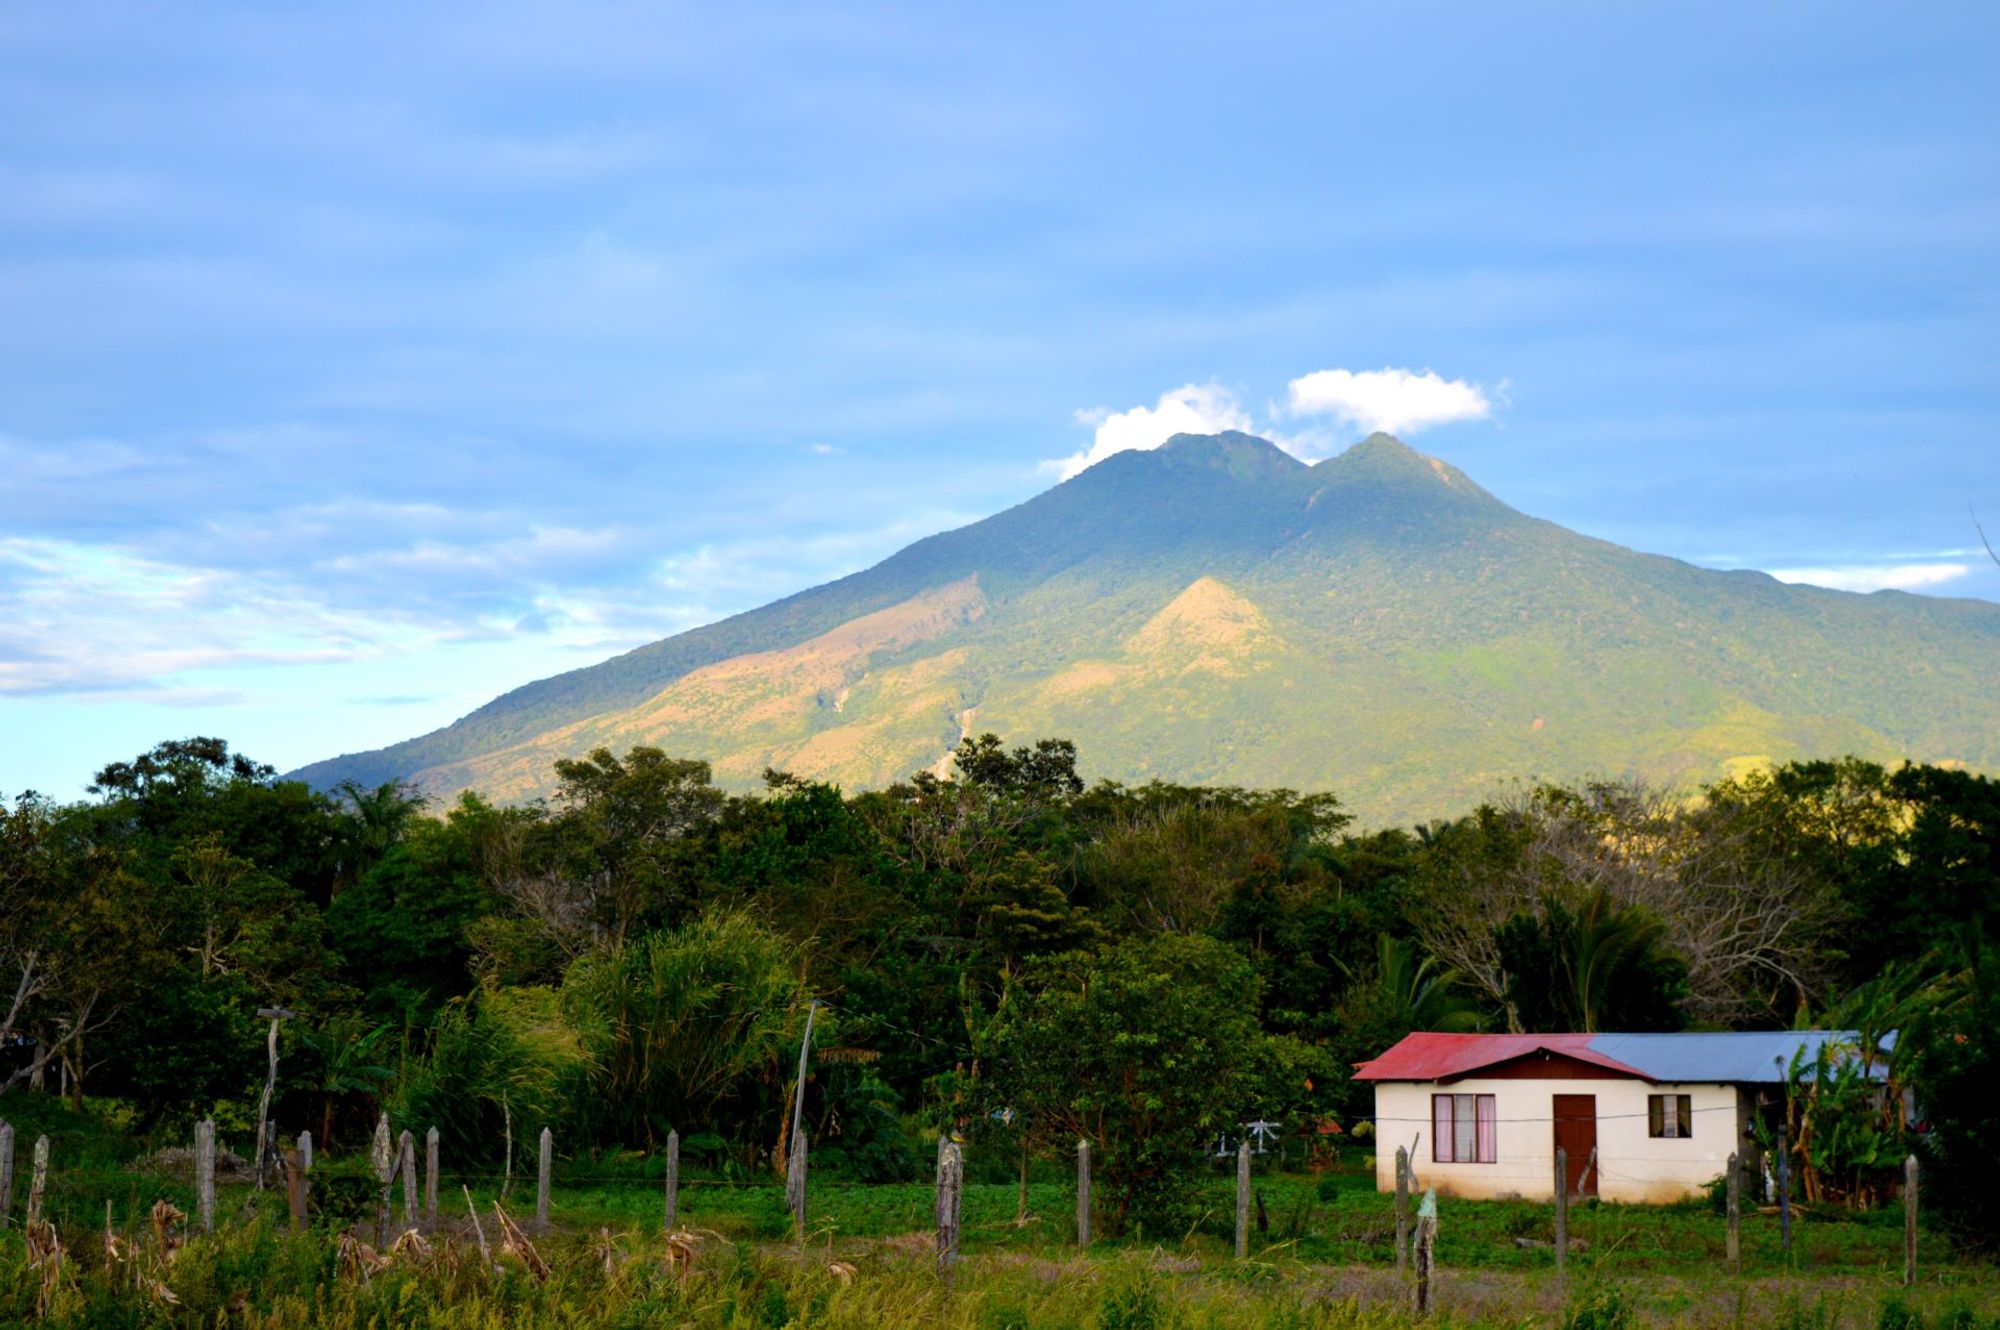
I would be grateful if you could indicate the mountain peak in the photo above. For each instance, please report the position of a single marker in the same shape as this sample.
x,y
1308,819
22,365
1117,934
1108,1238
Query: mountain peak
x,y
1244,456
1383,453
1385,460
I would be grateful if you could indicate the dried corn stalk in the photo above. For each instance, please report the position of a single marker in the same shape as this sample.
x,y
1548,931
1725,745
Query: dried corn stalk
x,y
45,1255
514,1242
358,1260
168,1220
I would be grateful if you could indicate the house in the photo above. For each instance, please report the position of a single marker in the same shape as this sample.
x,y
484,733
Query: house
x,y
1483,1114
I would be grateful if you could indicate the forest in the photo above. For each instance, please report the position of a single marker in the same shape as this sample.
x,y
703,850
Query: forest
x,y
1004,951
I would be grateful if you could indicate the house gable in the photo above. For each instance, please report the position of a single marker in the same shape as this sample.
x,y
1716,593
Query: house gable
x,y
1546,1065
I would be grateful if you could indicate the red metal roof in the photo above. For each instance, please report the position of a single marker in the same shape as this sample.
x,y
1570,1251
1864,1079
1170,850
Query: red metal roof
x,y
1434,1057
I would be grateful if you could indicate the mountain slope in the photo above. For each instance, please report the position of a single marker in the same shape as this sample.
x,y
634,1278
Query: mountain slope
x,y
1218,611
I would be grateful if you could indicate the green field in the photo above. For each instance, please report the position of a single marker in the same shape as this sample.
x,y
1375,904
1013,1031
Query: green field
x,y
1325,1257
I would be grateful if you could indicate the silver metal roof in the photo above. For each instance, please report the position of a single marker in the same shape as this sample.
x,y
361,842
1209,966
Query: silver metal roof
x,y
1758,1058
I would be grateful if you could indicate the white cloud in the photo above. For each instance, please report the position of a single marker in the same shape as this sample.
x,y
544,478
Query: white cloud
x,y
1396,401
1875,577
1189,409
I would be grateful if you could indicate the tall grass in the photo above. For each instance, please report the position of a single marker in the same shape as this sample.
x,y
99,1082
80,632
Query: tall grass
x,y
259,1277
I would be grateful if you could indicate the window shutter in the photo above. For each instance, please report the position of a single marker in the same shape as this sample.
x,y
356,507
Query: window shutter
x,y
1489,1130
1686,1105
1441,1128
1656,1115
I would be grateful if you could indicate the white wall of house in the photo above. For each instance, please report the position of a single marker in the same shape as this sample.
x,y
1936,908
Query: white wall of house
x,y
1632,1164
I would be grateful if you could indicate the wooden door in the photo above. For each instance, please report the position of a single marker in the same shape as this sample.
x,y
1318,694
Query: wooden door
x,y
1576,1136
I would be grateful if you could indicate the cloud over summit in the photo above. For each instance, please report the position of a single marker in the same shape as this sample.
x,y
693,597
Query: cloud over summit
x,y
1189,409
1394,401
1399,401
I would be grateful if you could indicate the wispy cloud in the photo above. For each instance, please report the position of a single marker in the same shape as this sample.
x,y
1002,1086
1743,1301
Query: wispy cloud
x,y
1395,401
79,618
1875,576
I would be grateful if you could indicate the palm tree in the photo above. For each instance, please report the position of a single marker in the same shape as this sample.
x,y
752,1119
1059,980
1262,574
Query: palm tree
x,y
1410,986
377,820
1602,946
345,1069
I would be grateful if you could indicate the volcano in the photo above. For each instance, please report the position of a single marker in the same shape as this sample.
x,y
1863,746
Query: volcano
x,y
1217,612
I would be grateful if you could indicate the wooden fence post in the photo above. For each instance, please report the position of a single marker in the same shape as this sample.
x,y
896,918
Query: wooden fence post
x,y
795,1148
950,1177
506,1147
1083,1193
431,1178
406,1150
1910,1221
1243,1199
673,1180
1562,1213
1734,1242
6,1173
795,1184
295,1189
267,1131
1402,1209
957,1196
382,1154
546,1167
204,1173
1426,1252
38,1183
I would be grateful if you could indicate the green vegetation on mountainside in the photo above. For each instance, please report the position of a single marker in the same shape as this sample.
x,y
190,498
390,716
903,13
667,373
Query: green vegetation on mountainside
x,y
1417,643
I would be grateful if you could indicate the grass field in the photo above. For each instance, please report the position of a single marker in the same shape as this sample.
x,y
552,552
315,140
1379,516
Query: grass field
x,y
1324,1258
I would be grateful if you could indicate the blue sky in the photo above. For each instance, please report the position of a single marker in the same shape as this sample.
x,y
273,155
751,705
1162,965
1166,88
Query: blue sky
x,y
362,361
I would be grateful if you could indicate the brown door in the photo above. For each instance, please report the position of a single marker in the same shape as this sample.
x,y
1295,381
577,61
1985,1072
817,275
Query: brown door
x,y
1576,1137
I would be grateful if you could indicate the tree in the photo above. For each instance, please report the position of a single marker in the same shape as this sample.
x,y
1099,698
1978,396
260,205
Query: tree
x,y
1844,1103
676,1022
622,835
1900,859
1148,1051
1751,924
1590,964
1954,1068
186,789
1045,772
73,942
1169,858
1415,991
402,927
345,1066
